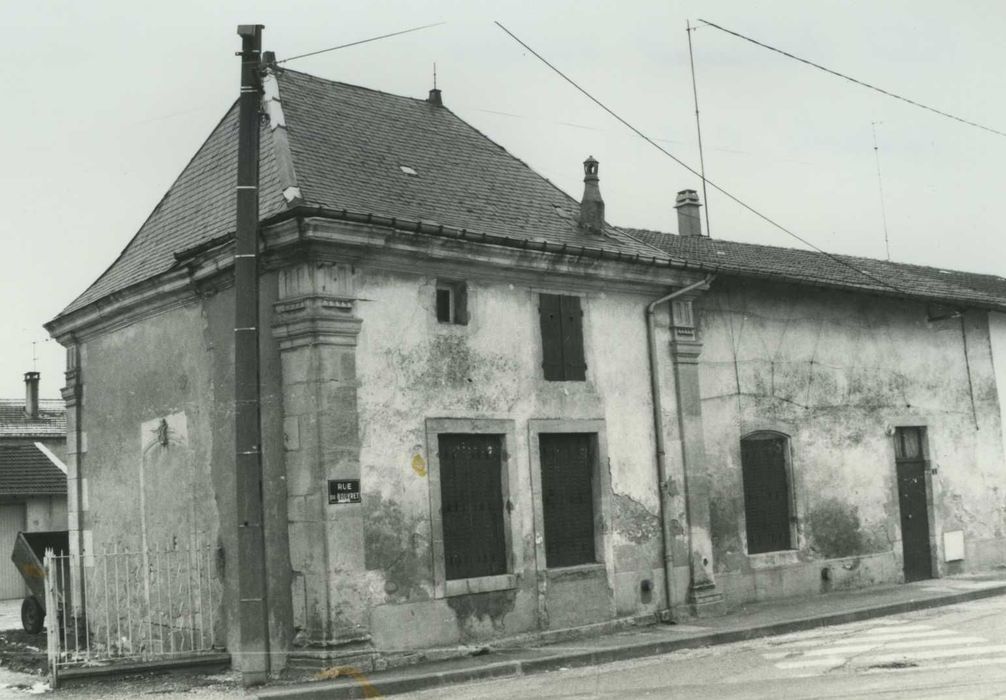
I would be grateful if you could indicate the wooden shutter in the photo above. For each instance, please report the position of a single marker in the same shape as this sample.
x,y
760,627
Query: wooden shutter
x,y
562,337
550,313
567,469
471,495
766,494
574,366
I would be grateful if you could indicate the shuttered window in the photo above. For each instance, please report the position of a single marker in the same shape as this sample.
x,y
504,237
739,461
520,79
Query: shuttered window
x,y
567,471
472,505
766,492
562,337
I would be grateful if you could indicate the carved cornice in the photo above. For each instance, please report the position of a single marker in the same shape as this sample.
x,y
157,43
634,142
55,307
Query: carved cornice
x,y
317,319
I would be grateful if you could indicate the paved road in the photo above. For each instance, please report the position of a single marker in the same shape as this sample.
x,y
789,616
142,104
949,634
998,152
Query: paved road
x,y
957,652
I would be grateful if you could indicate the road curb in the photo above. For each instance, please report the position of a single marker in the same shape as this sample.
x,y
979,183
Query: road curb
x,y
343,690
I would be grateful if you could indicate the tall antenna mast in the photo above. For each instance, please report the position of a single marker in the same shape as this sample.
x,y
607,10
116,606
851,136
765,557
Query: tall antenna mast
x,y
434,75
880,186
34,356
698,127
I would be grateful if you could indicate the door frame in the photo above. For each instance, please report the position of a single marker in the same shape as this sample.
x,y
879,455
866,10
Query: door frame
x,y
510,490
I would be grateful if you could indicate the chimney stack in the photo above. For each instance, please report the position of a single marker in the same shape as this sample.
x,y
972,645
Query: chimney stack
x,y
689,221
435,98
31,394
592,206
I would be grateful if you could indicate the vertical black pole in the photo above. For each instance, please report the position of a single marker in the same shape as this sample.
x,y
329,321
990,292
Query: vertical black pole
x,y
253,649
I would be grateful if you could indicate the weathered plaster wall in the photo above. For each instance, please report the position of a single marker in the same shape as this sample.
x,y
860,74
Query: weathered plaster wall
x,y
169,378
411,368
836,372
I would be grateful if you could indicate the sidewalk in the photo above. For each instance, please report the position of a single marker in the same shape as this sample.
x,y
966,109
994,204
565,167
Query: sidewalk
x,y
751,621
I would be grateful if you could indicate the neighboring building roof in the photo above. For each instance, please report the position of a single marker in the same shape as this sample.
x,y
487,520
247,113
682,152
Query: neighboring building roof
x,y
15,423
349,147
30,470
839,271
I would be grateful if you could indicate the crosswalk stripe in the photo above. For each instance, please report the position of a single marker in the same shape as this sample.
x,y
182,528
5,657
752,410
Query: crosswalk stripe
x,y
905,628
849,649
939,653
900,636
944,641
967,663
858,638
806,663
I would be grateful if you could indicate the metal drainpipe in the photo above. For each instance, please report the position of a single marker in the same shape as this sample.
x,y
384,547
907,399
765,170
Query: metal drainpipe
x,y
658,426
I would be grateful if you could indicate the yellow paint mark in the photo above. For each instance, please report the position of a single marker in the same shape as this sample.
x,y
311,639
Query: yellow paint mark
x,y
334,672
32,571
419,464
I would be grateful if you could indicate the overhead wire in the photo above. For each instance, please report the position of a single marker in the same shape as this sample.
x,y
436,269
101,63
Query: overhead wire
x,y
861,83
361,41
693,171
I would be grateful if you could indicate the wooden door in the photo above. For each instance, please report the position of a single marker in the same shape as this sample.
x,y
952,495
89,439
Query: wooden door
x,y
567,474
766,492
914,503
471,491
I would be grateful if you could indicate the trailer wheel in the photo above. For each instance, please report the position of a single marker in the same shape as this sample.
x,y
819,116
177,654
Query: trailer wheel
x,y
32,615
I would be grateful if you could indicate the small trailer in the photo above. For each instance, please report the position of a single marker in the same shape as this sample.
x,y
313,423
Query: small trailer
x,y
29,556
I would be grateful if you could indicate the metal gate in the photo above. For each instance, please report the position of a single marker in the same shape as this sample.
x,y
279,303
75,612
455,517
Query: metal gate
x,y
137,605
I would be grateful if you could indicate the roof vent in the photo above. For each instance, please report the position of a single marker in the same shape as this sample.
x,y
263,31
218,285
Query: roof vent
x,y
592,206
407,170
435,98
689,222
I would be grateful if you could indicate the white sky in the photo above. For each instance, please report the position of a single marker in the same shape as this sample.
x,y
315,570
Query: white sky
x,y
105,102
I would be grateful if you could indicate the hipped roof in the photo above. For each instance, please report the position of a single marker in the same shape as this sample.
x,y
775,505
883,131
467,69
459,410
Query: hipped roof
x,y
357,150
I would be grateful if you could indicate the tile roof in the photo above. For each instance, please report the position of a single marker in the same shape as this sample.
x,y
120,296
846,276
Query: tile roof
x,y
840,271
26,470
14,422
349,146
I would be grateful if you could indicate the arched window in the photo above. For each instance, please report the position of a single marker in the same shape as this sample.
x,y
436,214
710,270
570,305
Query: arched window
x,y
765,463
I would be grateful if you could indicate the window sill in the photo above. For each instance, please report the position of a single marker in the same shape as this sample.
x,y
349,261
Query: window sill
x,y
482,584
575,572
771,560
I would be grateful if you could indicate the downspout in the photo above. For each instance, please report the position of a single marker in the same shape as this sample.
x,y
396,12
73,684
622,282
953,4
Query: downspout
x,y
658,426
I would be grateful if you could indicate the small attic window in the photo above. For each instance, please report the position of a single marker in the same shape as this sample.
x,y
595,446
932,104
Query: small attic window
x,y
407,170
560,212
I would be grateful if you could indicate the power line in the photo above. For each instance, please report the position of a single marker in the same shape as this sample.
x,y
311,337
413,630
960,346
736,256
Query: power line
x,y
854,80
692,170
362,41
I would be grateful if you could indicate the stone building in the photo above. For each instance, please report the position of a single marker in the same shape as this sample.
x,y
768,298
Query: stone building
x,y
32,474
483,414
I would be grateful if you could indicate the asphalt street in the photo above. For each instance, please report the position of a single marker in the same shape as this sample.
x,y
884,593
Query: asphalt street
x,y
949,652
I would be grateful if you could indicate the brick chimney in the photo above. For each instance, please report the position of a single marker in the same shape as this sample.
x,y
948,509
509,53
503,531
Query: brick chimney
x,y
31,394
689,221
592,206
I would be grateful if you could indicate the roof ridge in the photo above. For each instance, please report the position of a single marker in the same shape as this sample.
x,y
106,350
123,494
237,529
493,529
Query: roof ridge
x,y
845,256
282,69
286,166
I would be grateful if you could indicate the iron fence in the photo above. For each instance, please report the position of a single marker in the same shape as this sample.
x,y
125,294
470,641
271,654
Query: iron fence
x,y
121,605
